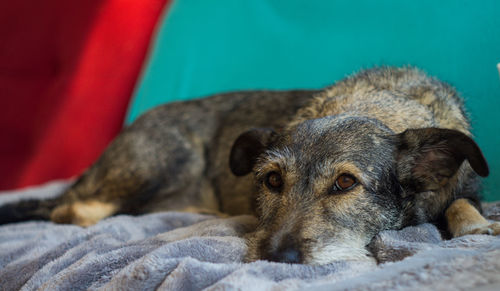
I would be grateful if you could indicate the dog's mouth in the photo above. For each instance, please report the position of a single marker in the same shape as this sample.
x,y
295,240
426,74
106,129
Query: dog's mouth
x,y
306,251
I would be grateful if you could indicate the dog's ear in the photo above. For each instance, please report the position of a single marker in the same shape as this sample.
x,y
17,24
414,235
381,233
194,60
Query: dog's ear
x,y
247,148
427,158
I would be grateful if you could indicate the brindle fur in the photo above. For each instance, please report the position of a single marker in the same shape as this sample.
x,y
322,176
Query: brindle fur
x,y
403,135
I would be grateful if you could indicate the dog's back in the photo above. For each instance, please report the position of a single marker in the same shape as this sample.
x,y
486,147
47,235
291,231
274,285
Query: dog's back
x,y
400,97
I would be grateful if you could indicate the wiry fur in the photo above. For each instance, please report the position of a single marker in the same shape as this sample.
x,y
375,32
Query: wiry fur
x,y
402,135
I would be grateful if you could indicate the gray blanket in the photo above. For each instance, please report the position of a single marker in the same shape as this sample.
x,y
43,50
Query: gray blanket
x,y
182,251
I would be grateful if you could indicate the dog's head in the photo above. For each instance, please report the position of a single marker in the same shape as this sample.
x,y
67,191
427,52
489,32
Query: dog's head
x,y
329,185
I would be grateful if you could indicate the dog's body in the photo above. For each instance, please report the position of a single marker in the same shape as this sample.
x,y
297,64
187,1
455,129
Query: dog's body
x,y
386,148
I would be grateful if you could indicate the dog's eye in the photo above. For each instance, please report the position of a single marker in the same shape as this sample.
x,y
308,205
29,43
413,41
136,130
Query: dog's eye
x,y
274,181
344,182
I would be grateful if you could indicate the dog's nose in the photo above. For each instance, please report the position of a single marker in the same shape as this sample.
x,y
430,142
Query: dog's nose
x,y
288,255
288,251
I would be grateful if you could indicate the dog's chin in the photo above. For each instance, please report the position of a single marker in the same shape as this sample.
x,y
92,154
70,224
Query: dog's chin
x,y
327,255
334,252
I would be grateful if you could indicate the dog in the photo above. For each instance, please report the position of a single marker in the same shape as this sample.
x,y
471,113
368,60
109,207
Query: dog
x,y
323,170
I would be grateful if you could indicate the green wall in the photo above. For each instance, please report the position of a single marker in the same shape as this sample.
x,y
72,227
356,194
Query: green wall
x,y
207,47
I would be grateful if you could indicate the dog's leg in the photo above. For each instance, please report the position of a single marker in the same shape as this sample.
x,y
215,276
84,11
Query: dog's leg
x,y
83,213
463,218
156,164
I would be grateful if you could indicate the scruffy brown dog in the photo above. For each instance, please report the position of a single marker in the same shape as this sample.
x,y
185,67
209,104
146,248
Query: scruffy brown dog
x,y
383,149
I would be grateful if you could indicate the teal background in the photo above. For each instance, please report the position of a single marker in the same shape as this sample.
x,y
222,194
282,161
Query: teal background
x,y
207,47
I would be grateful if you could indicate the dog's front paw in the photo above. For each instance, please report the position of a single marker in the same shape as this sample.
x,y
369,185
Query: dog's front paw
x,y
488,228
463,219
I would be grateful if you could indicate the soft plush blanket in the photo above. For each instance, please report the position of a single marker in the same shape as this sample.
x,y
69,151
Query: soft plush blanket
x,y
182,251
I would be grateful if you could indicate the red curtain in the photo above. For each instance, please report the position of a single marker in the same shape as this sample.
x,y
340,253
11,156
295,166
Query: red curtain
x,y
67,72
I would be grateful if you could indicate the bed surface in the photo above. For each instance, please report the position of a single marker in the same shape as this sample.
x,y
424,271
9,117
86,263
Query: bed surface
x,y
173,251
